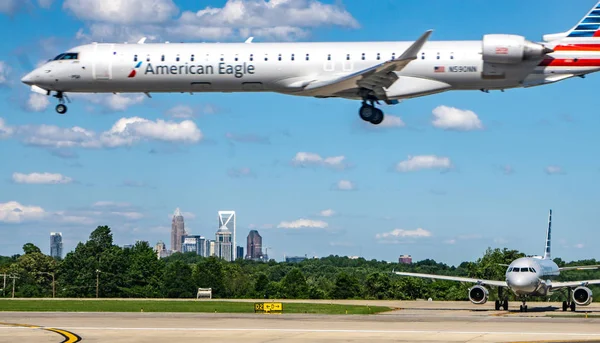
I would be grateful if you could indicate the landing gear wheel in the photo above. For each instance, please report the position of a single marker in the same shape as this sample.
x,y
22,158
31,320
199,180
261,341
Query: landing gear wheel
x,y
565,306
367,112
61,109
525,308
521,308
378,118
497,305
573,307
505,305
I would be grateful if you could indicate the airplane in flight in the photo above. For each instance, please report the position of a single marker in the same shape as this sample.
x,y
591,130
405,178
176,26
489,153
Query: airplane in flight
x,y
527,277
372,72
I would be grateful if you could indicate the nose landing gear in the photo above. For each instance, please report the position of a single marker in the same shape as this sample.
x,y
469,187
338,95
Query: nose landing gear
x,y
61,108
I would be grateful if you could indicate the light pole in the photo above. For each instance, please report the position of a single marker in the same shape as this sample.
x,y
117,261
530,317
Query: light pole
x,y
53,283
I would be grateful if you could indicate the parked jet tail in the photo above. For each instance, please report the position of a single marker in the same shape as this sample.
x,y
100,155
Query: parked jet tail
x,y
548,251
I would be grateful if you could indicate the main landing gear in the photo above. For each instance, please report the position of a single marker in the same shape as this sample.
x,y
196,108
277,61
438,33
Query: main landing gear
x,y
61,108
370,113
569,304
501,303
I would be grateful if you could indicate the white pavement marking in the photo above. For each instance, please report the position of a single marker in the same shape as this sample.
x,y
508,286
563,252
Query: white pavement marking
x,y
327,331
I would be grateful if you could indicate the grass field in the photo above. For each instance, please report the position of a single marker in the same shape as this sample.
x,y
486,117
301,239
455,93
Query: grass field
x,y
176,306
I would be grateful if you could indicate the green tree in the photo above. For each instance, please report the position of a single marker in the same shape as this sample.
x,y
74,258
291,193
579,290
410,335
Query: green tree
x,y
260,285
377,286
294,285
30,248
346,287
178,281
209,274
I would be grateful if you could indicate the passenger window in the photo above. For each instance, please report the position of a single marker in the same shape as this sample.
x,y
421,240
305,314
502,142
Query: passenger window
x,y
279,57
148,58
266,57
292,57
438,55
329,57
347,57
162,58
251,57
192,58
177,59
451,55
422,55
135,58
236,58
222,58
363,56
378,56
393,56
307,58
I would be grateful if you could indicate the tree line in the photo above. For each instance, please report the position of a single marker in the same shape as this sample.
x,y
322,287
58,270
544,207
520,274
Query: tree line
x,y
99,268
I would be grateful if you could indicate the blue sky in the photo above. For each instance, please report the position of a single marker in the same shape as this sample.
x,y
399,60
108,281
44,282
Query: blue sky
x,y
527,151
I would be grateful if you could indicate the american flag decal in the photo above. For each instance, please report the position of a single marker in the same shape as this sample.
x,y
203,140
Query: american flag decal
x,y
439,69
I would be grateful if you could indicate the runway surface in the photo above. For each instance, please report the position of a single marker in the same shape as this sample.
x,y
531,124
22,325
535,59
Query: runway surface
x,y
412,322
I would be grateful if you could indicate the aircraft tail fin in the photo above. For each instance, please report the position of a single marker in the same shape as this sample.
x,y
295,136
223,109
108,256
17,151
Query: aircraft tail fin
x,y
548,251
588,29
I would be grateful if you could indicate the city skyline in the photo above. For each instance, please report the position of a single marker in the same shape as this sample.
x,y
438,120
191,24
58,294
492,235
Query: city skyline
x,y
445,177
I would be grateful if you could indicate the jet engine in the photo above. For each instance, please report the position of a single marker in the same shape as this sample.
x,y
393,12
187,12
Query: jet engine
x,y
478,295
511,49
582,296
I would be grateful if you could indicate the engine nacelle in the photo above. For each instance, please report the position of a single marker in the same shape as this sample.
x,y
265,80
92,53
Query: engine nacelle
x,y
478,295
511,49
582,296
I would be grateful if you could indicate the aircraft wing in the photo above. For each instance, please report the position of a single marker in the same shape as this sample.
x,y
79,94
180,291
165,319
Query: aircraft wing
x,y
580,267
374,78
456,278
574,284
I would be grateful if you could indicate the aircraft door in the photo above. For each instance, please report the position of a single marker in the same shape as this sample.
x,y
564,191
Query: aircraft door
x,y
103,60
329,64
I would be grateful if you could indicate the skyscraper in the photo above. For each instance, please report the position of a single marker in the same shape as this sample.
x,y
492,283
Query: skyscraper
x,y
223,245
56,246
239,252
177,231
254,246
227,219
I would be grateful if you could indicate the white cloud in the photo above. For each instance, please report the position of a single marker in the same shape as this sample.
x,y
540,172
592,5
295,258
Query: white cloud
x,y
580,246
37,102
112,102
128,215
271,20
391,121
122,11
345,185
181,112
4,68
303,223
327,213
110,204
401,233
41,178
309,158
450,241
5,130
554,170
14,212
415,163
45,3
450,118
241,172
9,6
125,132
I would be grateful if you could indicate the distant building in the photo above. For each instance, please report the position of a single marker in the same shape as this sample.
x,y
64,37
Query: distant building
x,y
127,246
223,244
177,231
195,244
295,259
227,219
161,250
405,259
254,246
56,245
239,252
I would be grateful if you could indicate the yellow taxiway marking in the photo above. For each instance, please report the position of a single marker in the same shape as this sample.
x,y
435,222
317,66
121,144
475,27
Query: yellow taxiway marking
x,y
68,336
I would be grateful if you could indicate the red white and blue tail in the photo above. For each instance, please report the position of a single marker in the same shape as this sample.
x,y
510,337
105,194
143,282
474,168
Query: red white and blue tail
x,y
588,28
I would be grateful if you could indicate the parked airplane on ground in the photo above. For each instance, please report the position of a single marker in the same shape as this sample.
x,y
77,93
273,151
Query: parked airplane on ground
x,y
367,71
528,277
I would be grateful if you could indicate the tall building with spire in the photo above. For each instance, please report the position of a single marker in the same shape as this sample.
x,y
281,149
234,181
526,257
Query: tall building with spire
x,y
254,246
177,231
56,245
224,247
227,223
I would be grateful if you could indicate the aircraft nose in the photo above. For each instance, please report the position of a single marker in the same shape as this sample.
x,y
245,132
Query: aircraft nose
x,y
28,79
522,284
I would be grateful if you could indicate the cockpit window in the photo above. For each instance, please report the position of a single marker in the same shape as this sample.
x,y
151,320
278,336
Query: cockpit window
x,y
525,270
532,270
67,56
516,270
510,269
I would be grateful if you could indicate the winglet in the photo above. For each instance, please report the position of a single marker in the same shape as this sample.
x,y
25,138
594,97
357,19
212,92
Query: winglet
x,y
548,251
249,40
412,52
141,41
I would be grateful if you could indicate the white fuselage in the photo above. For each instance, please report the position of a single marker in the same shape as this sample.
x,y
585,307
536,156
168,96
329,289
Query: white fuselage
x,y
278,67
529,276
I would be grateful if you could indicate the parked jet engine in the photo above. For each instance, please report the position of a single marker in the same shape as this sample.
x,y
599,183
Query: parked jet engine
x,y
511,49
582,296
478,295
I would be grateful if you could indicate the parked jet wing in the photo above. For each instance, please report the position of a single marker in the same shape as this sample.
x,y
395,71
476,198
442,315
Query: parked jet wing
x,y
456,278
573,284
